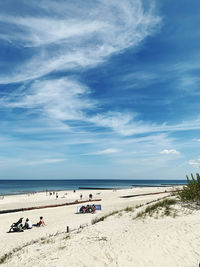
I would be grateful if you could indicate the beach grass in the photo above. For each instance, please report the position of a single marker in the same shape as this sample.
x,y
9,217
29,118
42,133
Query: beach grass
x,y
102,218
119,212
42,240
160,205
67,237
165,203
128,209
6,257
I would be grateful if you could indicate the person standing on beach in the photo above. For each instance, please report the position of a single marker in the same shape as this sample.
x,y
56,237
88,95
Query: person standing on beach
x,y
81,196
56,195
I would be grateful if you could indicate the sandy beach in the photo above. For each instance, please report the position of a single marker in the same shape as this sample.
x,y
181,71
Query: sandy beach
x,y
119,240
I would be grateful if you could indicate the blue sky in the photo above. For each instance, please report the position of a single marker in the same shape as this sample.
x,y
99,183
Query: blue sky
x,y
99,89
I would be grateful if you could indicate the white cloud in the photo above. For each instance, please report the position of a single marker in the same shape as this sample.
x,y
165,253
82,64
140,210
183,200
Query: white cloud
x,y
127,124
36,31
65,99
28,162
117,121
169,151
59,99
138,79
43,161
77,37
196,140
194,163
107,151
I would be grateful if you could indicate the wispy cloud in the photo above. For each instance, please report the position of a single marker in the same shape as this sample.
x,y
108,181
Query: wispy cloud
x,y
138,79
65,99
194,163
76,40
43,161
196,139
169,152
7,161
127,124
107,151
61,99
62,38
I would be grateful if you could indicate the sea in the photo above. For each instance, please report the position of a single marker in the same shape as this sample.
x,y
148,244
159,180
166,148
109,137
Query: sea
x,y
12,187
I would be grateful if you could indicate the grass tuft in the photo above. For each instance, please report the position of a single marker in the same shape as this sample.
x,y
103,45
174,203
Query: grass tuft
x,y
128,209
63,247
5,257
67,237
100,219
151,209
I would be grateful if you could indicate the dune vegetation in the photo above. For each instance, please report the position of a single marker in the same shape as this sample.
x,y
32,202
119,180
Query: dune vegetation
x,y
191,192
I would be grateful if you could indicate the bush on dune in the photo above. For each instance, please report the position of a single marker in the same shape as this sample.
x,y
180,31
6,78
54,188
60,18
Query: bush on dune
x,y
191,192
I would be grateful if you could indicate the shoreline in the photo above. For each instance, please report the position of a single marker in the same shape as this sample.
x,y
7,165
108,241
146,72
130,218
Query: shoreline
x,y
34,192
30,192
18,187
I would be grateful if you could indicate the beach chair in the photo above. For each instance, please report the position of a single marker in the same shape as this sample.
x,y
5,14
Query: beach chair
x,y
15,226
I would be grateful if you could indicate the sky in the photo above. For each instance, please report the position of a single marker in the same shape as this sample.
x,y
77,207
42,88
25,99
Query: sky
x,y
99,89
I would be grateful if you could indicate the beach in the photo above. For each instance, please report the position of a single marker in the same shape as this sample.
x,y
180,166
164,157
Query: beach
x,y
119,240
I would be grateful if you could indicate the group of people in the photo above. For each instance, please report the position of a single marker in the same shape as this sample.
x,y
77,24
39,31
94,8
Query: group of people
x,y
88,209
28,224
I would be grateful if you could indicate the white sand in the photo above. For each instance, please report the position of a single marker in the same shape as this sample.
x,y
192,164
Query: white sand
x,y
117,241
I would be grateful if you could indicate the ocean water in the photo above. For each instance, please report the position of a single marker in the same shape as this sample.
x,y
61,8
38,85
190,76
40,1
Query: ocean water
x,y
9,187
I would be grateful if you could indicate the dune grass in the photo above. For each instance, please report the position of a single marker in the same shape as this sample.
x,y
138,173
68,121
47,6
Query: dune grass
x,y
128,209
41,240
163,204
119,212
149,210
102,218
6,257
67,237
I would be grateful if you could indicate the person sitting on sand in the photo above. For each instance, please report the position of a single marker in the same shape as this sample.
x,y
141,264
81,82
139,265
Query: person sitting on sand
x,y
19,228
88,209
28,224
93,208
41,222
82,209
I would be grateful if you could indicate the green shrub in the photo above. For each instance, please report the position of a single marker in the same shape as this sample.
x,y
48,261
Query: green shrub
x,y
191,192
